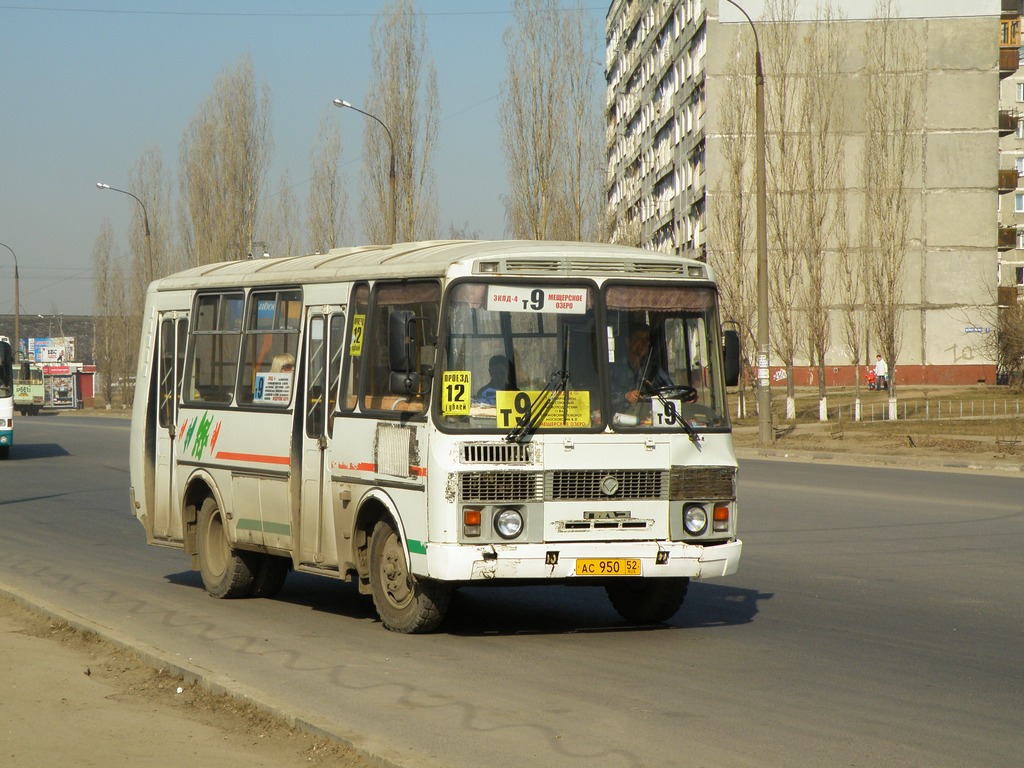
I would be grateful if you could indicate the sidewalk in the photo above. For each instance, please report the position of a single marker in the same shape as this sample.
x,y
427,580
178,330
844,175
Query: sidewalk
x,y
69,698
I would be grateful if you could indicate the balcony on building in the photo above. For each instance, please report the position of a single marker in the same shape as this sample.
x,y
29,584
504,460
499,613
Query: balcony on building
x,y
1009,179
1008,119
1009,295
1009,38
1007,238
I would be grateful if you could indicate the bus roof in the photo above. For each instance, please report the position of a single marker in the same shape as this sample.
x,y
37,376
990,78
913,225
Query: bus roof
x,y
433,259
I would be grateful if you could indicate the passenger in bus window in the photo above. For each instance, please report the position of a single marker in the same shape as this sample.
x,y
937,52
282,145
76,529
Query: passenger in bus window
x,y
498,369
283,363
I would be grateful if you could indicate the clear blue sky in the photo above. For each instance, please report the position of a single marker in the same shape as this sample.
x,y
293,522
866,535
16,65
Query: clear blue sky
x,y
89,85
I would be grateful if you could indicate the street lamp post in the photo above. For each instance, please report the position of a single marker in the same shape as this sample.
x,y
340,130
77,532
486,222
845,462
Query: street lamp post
x,y
145,227
393,219
764,395
17,304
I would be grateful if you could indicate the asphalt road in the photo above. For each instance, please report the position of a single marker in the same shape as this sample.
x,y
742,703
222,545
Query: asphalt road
x,y
877,619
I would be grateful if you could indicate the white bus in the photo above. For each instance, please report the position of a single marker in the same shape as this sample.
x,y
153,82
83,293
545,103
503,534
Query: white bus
x,y
417,417
6,397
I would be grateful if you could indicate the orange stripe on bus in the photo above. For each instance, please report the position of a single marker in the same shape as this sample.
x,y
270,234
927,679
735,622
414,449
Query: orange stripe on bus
x,y
254,458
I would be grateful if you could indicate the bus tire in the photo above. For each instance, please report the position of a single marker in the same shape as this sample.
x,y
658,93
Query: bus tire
x,y
647,601
226,572
405,603
271,571
5,451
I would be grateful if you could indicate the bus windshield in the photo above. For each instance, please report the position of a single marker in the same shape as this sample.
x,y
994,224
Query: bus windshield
x,y
572,356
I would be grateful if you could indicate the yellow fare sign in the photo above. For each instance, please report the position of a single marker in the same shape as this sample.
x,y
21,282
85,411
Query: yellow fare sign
x,y
515,408
456,387
355,346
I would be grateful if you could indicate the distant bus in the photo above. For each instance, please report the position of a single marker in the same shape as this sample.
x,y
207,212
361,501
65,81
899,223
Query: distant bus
x,y
6,397
417,417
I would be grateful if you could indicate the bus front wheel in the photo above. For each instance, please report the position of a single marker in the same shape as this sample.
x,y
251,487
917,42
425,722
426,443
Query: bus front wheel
x,y
647,601
405,603
226,572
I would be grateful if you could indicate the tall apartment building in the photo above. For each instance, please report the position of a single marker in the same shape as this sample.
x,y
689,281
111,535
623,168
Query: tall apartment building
x,y
1011,156
668,64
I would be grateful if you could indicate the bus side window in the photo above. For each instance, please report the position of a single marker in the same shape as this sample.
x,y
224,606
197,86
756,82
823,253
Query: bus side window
x,y
419,303
216,336
355,347
270,347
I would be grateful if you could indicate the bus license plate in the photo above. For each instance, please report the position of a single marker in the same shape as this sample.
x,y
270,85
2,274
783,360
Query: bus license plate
x,y
607,566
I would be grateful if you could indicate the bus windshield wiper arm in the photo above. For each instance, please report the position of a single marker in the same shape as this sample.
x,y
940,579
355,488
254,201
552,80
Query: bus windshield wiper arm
x,y
694,437
540,405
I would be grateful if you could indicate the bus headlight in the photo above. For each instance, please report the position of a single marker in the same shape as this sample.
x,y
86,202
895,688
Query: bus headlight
x,y
508,523
695,520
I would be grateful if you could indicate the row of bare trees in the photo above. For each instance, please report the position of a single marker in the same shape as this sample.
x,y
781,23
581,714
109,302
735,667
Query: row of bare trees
x,y
225,210
824,265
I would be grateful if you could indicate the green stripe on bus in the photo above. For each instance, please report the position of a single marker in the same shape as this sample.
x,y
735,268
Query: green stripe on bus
x,y
249,524
417,547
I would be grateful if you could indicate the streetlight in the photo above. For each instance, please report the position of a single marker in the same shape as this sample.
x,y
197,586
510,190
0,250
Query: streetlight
x,y
764,395
341,104
145,226
17,316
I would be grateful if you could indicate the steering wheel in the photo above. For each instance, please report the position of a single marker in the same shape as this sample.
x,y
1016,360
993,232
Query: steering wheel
x,y
673,392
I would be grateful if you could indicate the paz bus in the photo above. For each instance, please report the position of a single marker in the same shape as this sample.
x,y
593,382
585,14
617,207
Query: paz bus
x,y
6,397
420,417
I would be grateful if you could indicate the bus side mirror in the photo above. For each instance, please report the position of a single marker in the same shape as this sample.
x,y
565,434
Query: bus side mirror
x,y
403,334
401,340
732,358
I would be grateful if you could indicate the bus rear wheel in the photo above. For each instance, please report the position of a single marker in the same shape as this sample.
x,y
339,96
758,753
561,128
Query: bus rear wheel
x,y
271,571
647,601
405,603
226,572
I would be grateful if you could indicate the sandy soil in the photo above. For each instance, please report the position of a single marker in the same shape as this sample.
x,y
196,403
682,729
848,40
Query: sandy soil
x,y
68,698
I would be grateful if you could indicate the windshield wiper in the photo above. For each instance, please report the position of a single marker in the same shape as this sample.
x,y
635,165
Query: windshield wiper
x,y
670,407
557,385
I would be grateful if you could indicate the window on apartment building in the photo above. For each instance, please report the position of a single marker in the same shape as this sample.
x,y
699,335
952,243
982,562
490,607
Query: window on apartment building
x,y
1018,203
1018,275
1019,162
1020,239
1020,91
1020,129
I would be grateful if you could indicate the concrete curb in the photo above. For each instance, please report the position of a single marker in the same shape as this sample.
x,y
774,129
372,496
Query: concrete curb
x,y
934,463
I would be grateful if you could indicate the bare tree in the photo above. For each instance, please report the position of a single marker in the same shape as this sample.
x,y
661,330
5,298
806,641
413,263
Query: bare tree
x,y
403,95
116,318
893,82
328,200
1009,340
151,184
730,251
550,124
851,284
281,231
224,155
584,158
106,292
821,149
783,171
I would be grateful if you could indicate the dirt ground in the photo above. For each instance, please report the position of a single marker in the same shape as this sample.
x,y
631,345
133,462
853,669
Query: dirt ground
x,y
69,698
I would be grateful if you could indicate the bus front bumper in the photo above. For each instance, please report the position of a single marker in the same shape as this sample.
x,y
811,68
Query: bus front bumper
x,y
658,559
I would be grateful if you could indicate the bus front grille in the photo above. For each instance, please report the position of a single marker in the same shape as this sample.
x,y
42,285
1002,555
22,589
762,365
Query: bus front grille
x,y
501,487
605,484
497,453
703,483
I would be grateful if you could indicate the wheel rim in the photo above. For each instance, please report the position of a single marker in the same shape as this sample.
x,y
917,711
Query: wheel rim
x,y
217,550
394,573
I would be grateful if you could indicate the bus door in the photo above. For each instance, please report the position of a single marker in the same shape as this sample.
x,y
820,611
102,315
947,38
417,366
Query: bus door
x,y
325,329
172,331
